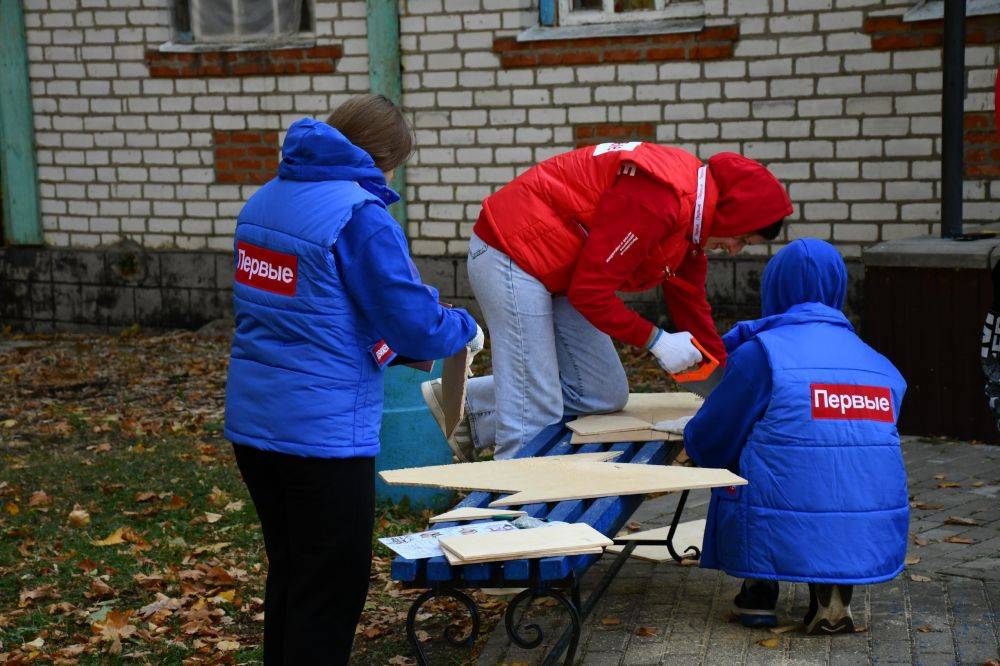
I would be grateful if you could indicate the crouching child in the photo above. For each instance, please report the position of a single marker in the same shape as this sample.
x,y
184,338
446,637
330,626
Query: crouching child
x,y
806,412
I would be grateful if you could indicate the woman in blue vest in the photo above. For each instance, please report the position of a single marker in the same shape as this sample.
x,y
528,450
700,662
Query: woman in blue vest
x,y
325,297
806,412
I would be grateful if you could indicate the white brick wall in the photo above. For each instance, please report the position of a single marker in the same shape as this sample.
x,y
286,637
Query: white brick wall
x,y
854,133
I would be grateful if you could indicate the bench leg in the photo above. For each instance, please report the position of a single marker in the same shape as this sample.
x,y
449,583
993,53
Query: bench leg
x,y
696,554
453,637
527,597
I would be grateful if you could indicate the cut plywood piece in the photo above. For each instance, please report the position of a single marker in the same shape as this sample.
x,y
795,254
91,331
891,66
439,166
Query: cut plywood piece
x,y
572,539
499,476
475,513
454,377
557,478
690,533
640,413
613,479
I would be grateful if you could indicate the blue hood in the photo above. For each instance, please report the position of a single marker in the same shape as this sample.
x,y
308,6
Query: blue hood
x,y
315,151
805,281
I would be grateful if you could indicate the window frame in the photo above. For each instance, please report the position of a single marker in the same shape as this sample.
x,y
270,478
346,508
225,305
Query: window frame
x,y
664,10
933,10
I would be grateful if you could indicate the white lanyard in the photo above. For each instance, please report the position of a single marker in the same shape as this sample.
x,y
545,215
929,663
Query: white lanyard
x,y
699,206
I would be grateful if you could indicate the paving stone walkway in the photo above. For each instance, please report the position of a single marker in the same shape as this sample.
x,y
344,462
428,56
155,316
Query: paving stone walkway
x,y
944,609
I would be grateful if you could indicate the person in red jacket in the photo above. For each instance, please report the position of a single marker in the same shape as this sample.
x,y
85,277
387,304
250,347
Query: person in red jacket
x,y
552,249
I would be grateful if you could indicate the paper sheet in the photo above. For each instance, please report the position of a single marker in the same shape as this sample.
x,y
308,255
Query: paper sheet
x,y
421,545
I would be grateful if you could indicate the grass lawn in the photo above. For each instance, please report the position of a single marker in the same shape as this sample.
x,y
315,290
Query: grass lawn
x,y
126,534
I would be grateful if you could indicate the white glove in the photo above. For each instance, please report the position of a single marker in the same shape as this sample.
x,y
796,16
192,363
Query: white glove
x,y
674,351
475,345
673,426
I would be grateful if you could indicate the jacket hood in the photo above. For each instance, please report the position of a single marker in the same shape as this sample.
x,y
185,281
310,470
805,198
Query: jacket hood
x,y
804,282
750,197
314,151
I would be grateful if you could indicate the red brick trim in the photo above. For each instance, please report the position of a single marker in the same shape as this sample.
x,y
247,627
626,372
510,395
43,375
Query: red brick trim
x,y
314,60
246,157
890,33
708,44
982,145
594,133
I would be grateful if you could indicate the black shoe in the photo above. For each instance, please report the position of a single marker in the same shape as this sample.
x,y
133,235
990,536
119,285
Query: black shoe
x,y
829,609
755,603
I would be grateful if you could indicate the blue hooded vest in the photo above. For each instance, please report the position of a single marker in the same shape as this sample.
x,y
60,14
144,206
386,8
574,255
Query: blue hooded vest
x,y
827,497
302,376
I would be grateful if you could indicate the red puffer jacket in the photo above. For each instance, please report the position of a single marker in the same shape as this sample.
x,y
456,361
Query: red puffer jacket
x,y
546,220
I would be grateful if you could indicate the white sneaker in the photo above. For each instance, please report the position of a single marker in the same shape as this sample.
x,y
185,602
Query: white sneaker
x,y
461,442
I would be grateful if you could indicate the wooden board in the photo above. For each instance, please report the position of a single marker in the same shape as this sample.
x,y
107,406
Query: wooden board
x,y
634,423
575,538
690,533
454,377
475,513
614,479
499,476
557,478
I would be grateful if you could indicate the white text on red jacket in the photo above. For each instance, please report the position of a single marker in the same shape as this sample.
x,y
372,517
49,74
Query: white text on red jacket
x,y
851,402
266,269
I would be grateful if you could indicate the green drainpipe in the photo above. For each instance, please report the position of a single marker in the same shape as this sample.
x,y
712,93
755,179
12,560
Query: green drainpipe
x,y
384,70
18,172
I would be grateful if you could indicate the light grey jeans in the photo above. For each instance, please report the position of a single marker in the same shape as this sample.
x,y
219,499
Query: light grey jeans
x,y
547,359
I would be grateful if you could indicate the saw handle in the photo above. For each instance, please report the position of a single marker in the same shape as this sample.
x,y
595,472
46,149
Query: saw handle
x,y
704,369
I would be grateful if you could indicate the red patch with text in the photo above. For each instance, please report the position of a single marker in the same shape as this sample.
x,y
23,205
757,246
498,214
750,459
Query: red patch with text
x,y
265,269
851,402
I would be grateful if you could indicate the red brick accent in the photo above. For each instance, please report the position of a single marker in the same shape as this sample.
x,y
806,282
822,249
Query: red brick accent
x,y
314,60
709,44
889,33
982,145
594,133
248,157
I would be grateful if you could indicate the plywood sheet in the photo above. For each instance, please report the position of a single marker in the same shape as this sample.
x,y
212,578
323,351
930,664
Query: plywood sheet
x,y
575,538
690,533
475,513
557,478
614,479
499,476
640,413
454,377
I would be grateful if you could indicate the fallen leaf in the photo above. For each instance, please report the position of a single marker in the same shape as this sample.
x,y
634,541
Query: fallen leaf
x,y
78,517
917,578
940,476
920,541
784,629
35,644
949,484
978,484
217,496
957,539
39,498
633,526
113,629
145,496
611,621
911,560
27,597
647,631
926,628
927,507
212,517
112,539
958,520
771,643
422,635
235,506
99,590
227,646
12,508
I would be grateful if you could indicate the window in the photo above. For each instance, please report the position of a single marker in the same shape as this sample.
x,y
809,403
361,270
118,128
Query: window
x,y
929,10
241,21
581,12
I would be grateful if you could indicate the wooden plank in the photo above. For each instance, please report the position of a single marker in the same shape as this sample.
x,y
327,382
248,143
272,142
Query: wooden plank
x,y
610,479
454,378
525,544
606,423
18,168
634,422
474,513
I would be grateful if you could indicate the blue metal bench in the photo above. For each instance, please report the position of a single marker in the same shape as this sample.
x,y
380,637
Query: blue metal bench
x,y
549,577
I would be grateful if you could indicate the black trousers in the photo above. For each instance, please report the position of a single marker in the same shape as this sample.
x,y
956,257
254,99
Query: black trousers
x,y
317,515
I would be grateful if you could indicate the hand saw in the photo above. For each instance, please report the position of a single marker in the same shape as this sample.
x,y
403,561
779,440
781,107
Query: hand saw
x,y
704,377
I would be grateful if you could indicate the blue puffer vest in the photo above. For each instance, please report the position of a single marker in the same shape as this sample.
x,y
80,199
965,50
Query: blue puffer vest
x,y
302,379
827,499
